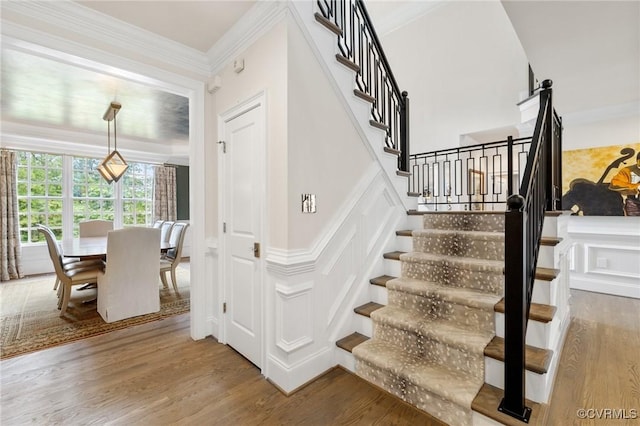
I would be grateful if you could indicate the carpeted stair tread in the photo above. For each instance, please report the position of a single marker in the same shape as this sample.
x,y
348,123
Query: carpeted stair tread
x,y
393,255
488,399
442,380
368,308
537,312
537,360
486,235
446,332
460,295
381,280
351,341
470,263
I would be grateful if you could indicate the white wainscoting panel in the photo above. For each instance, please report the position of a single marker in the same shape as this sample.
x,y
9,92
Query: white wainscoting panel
x,y
605,256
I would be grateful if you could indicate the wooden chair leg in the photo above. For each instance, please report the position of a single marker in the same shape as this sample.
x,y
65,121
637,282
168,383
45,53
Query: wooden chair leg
x,y
174,279
55,285
65,299
163,277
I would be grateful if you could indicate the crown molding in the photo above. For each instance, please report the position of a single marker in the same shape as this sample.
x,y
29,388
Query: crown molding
x,y
253,25
88,23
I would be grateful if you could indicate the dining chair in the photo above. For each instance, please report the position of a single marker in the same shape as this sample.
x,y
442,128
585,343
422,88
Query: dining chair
x,y
129,285
157,224
174,255
67,262
75,273
95,228
165,230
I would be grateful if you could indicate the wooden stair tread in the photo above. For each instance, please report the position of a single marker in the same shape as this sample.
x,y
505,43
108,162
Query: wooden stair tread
x,y
546,274
537,360
379,125
413,194
351,341
328,24
550,241
347,63
488,399
391,150
362,95
403,173
393,255
381,280
405,233
367,308
537,312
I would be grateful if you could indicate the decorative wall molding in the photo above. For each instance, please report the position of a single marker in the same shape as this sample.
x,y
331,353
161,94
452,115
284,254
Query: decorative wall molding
x,y
298,261
291,337
89,23
604,254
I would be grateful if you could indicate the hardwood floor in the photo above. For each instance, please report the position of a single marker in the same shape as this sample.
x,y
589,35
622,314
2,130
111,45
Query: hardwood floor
x,y
600,364
155,374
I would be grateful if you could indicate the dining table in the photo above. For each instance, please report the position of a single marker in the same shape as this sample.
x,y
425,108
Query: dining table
x,y
94,247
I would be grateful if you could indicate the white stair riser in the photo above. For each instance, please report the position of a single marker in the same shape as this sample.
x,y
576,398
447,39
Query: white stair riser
x,y
539,334
364,325
404,244
537,388
546,257
345,359
543,292
379,295
392,267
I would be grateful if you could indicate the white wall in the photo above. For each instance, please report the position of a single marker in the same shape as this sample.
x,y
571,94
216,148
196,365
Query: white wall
x,y
265,69
326,155
464,69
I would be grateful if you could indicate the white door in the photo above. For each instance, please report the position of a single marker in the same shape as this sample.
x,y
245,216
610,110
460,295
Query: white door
x,y
243,195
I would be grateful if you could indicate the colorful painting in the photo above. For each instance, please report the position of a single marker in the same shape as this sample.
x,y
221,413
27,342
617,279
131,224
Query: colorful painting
x,y
602,181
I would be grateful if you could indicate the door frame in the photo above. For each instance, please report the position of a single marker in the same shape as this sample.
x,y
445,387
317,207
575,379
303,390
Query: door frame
x,y
256,101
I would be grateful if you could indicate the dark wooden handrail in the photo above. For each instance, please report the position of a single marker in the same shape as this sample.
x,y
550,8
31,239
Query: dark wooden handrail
x,y
524,218
359,44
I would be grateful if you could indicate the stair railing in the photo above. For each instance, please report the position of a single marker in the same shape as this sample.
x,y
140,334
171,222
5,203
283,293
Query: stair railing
x,y
359,43
539,192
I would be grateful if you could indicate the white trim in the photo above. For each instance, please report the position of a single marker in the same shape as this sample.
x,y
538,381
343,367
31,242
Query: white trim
x,y
294,262
89,23
253,25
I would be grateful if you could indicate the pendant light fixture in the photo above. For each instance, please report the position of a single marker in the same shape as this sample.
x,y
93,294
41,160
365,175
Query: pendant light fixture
x,y
113,166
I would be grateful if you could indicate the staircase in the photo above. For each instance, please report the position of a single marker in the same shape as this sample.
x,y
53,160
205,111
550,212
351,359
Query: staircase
x,y
437,340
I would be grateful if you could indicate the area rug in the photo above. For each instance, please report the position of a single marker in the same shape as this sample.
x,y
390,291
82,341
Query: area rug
x,y
30,320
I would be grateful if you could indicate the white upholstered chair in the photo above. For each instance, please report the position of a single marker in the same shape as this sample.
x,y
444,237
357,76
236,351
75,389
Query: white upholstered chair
x,y
157,224
95,228
75,273
171,260
129,285
165,229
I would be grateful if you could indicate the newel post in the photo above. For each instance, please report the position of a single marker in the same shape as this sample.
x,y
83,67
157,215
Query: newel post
x,y
515,326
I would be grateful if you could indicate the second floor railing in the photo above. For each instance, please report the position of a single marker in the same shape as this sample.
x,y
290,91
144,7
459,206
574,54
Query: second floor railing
x,y
475,177
359,43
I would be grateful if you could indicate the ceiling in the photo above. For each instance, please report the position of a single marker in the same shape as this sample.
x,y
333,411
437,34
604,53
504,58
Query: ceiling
x,y
591,49
197,24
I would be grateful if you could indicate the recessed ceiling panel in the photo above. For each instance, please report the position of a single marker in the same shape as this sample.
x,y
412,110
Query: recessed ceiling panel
x,y
41,91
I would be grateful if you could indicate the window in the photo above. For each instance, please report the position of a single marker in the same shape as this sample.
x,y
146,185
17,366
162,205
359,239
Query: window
x,y
93,197
42,194
40,178
137,195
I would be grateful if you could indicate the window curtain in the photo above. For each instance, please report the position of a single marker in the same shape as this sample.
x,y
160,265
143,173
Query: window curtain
x,y
164,193
10,249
